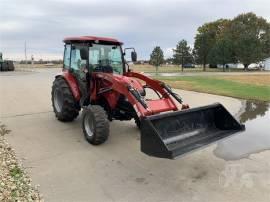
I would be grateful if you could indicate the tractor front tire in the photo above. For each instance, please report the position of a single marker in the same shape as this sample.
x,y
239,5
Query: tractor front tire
x,y
63,101
95,124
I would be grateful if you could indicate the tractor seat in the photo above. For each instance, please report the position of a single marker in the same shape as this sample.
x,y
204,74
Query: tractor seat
x,y
105,69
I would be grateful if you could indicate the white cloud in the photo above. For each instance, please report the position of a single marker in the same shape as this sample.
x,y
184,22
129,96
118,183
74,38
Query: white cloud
x,y
168,52
11,26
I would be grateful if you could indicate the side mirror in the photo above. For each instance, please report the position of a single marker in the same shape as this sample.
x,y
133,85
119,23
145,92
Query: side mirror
x,y
133,56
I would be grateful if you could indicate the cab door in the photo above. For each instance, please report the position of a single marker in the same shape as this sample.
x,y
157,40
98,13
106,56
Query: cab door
x,y
76,61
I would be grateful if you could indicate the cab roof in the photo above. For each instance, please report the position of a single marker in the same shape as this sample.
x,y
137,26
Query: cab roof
x,y
81,39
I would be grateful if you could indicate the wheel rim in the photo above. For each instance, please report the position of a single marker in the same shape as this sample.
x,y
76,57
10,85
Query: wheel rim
x,y
89,125
58,100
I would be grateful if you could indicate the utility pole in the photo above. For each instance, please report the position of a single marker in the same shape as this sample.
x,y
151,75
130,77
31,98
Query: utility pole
x,y
32,60
25,55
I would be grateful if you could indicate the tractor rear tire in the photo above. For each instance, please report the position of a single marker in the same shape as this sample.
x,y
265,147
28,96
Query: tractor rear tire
x,y
95,124
63,101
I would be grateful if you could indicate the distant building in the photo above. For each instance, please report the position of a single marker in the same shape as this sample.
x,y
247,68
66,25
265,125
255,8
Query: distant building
x,y
266,64
232,65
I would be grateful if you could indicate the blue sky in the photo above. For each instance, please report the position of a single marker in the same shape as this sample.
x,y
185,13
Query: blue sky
x,y
141,24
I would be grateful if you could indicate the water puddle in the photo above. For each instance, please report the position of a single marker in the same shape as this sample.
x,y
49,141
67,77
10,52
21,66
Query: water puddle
x,y
256,138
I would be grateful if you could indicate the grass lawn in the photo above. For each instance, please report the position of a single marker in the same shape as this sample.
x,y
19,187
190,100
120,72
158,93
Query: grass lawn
x,y
255,87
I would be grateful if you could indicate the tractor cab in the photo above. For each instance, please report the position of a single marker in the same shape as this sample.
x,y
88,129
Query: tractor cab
x,y
95,54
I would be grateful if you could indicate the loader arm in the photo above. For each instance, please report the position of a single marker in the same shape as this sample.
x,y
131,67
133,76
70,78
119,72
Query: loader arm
x,y
128,85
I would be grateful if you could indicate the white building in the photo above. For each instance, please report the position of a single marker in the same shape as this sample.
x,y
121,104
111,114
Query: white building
x,y
232,65
266,63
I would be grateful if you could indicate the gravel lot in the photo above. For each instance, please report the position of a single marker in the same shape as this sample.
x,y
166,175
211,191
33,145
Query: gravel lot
x,y
15,185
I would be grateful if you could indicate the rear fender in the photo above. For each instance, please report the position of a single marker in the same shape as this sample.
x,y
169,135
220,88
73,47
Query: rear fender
x,y
70,79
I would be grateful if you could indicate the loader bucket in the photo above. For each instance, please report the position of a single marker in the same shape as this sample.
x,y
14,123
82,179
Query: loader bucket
x,y
173,134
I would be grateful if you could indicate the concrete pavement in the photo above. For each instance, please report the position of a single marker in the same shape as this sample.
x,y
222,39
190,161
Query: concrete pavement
x,y
69,169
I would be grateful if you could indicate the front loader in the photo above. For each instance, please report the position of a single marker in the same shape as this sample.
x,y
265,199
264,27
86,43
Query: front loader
x,y
97,79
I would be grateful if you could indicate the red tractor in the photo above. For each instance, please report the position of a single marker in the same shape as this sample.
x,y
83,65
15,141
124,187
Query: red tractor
x,y
97,79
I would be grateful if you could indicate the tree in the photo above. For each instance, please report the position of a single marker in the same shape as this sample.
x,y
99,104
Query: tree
x,y
206,38
222,52
244,39
251,36
182,53
157,57
202,48
265,38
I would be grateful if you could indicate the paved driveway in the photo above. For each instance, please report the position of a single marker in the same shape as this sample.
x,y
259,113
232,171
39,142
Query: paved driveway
x,y
69,169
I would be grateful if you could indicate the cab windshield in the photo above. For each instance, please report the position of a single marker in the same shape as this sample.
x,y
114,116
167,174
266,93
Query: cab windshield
x,y
107,58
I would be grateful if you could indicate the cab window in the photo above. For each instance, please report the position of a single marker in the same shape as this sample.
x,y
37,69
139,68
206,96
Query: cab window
x,y
77,62
67,56
106,58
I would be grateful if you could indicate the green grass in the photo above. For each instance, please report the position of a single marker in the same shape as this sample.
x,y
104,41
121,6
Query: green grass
x,y
220,86
16,172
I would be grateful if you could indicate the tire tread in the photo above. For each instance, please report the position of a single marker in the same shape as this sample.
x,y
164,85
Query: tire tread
x,y
102,127
69,111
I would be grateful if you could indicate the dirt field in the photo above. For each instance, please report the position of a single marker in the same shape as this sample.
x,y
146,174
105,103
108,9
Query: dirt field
x,y
250,79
